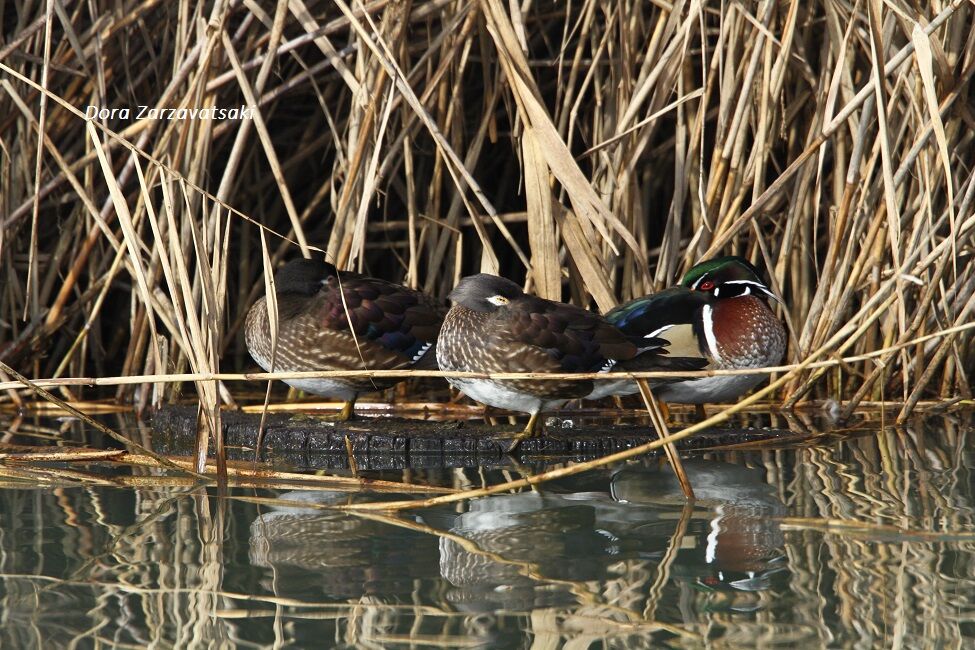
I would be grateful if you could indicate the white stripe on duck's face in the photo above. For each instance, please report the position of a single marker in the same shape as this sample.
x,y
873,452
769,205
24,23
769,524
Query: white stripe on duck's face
x,y
733,288
739,288
709,337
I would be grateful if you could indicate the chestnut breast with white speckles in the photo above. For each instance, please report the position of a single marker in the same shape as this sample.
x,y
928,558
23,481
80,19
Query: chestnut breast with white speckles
x,y
747,333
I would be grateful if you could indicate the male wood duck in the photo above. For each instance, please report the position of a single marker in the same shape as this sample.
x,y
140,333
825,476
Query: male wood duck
x,y
719,312
340,320
495,327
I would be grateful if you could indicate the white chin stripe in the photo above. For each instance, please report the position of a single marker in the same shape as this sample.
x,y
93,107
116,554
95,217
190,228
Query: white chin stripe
x,y
709,333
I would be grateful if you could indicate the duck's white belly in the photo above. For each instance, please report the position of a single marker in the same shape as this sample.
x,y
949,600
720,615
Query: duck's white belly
x,y
337,388
709,390
706,390
605,388
496,394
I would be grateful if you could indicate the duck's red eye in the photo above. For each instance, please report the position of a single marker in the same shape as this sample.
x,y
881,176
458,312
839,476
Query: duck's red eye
x,y
707,285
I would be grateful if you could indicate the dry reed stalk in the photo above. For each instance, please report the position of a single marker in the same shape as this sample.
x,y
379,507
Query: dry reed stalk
x,y
253,472
843,580
427,140
48,397
406,374
660,426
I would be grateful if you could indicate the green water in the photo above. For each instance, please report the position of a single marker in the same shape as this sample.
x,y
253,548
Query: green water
x,y
606,559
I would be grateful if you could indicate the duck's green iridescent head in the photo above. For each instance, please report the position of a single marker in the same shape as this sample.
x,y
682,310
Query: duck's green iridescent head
x,y
727,277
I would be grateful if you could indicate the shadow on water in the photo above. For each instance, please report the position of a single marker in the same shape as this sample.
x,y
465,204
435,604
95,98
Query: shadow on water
x,y
767,555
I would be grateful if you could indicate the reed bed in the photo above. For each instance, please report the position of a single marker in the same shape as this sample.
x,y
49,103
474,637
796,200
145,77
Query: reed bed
x,y
593,149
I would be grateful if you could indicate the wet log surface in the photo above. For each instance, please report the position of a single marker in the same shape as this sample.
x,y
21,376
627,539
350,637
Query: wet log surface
x,y
398,443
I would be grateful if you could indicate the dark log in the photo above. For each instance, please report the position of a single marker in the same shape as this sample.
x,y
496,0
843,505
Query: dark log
x,y
398,443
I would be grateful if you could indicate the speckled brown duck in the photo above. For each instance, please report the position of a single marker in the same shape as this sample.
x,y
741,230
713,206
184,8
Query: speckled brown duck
x,y
494,327
340,320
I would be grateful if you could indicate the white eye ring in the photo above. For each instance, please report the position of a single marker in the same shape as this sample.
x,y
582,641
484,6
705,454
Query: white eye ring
x,y
498,300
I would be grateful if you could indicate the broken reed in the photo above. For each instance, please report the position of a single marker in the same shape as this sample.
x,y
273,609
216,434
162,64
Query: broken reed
x,y
612,143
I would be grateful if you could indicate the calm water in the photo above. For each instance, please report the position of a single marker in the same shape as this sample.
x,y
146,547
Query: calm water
x,y
607,559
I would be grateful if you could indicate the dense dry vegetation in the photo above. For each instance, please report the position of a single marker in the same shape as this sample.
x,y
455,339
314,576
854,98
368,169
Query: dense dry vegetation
x,y
595,149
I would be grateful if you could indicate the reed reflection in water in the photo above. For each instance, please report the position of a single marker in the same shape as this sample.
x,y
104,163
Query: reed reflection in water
x,y
865,542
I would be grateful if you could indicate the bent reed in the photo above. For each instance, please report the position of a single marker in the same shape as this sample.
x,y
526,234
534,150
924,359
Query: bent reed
x,y
596,149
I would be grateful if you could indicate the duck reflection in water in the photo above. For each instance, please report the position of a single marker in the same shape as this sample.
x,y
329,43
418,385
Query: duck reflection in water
x,y
531,547
509,531
742,540
320,554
